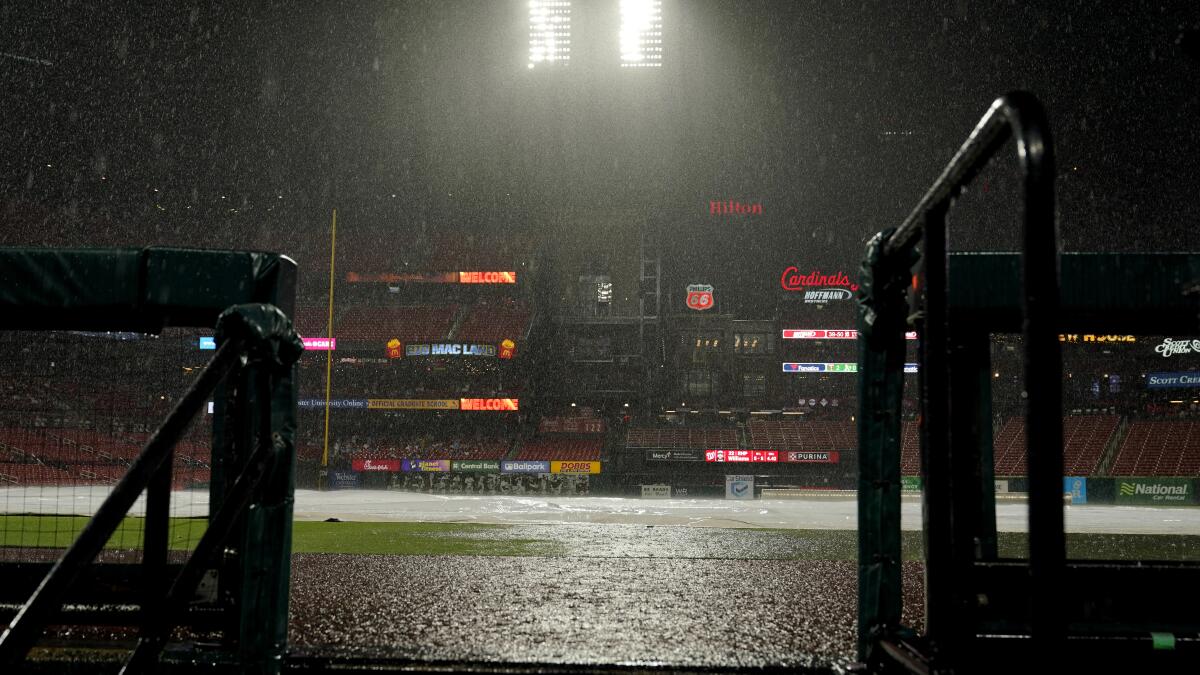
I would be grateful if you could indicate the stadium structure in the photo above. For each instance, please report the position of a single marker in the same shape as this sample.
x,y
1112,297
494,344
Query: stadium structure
x,y
473,371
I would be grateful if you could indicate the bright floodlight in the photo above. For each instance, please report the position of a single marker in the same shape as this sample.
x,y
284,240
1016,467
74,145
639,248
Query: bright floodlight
x,y
549,32
641,33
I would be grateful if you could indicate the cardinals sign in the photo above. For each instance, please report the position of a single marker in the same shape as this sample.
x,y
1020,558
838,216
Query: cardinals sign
x,y
699,296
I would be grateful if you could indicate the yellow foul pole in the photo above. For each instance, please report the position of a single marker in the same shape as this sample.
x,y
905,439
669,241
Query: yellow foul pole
x,y
329,335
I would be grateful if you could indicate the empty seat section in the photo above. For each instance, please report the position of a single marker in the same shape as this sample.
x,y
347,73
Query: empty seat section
x,y
407,324
587,449
1159,448
494,323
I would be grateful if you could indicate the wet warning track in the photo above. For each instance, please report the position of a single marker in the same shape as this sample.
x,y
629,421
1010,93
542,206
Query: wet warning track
x,y
688,597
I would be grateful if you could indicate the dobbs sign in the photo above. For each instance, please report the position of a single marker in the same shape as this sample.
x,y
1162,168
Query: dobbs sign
x,y
1154,491
574,467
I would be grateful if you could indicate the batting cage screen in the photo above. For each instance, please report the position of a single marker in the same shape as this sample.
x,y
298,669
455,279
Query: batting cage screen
x,y
77,408
147,417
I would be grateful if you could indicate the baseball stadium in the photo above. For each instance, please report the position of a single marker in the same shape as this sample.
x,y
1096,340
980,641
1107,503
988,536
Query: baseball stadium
x,y
432,337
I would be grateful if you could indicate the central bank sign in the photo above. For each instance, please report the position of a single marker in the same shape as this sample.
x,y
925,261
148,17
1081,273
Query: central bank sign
x,y
1154,491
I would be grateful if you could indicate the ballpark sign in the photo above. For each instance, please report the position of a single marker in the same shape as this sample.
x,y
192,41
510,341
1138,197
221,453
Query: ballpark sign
x,y
700,296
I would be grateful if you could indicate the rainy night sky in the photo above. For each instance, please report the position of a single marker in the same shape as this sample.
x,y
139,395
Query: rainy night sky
x,y
421,122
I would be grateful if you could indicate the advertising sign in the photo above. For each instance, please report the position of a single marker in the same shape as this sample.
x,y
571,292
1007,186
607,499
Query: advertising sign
x,y
700,297
820,366
570,425
404,277
1170,347
851,367
320,344
487,277
343,480
741,455
1154,490
829,334
508,349
524,466
656,492
449,349
435,465
818,288
475,465
488,404
739,487
1072,338
817,457
1076,486
674,456
395,348
910,483
333,403
574,467
391,465
412,404
1173,380
208,342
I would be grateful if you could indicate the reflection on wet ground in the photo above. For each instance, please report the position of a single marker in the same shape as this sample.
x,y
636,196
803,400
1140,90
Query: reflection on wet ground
x,y
623,594
642,541
681,612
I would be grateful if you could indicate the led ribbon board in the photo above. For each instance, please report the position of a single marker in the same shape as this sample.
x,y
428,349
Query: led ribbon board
x,y
829,334
791,367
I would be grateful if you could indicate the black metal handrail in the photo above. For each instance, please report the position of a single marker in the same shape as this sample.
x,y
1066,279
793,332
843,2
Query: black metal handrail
x,y
1021,116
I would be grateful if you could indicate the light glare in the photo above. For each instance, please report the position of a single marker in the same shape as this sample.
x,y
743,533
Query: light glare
x,y
641,33
549,32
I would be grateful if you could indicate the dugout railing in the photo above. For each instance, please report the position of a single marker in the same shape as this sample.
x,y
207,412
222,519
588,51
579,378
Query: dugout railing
x,y
244,552
983,612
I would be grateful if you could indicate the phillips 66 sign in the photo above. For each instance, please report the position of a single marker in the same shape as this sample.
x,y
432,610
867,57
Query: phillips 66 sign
x,y
700,296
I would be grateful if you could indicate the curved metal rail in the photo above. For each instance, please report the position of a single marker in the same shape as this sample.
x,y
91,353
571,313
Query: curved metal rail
x,y
1020,116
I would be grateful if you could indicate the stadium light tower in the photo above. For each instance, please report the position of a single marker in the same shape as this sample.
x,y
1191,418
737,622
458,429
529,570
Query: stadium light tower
x,y
549,32
641,33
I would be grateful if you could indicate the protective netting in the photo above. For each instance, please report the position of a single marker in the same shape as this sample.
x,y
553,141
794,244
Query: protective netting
x,y
75,409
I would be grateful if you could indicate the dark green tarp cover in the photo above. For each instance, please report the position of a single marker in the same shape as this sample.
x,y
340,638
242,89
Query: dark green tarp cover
x,y
130,289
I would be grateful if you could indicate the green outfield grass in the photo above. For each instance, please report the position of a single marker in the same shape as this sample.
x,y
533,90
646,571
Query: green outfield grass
x,y
307,537
394,538
60,531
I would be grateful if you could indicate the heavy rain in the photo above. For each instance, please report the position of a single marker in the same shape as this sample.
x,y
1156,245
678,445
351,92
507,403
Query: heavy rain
x,y
546,333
